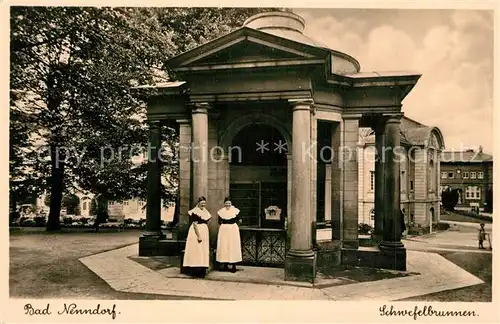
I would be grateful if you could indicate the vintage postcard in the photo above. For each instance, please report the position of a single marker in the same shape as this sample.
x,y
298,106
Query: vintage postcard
x,y
243,162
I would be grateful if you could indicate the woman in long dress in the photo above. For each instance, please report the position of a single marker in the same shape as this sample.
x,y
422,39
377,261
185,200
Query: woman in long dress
x,y
196,255
228,240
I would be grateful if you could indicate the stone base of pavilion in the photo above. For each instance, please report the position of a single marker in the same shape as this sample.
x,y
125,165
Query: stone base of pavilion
x,y
327,276
327,257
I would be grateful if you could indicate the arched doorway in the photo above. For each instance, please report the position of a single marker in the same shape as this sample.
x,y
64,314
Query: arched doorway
x,y
258,187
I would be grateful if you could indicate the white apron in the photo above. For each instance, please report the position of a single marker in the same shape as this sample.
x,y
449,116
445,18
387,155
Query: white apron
x,y
228,240
196,253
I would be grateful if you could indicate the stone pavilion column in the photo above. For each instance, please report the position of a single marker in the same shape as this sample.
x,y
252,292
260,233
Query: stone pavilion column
x,y
300,263
199,151
379,129
185,133
314,173
153,233
391,247
350,217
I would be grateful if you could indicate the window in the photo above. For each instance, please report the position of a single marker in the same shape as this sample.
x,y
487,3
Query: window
x,y
84,206
473,175
372,180
451,175
372,214
473,192
411,184
125,203
480,175
110,203
465,175
443,175
431,176
403,181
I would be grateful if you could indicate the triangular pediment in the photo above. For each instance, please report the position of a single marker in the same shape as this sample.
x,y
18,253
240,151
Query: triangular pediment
x,y
244,45
247,51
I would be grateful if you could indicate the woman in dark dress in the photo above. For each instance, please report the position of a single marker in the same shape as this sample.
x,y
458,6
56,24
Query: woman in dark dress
x,y
196,256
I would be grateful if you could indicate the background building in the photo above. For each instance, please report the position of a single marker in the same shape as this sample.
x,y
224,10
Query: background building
x,y
419,171
471,173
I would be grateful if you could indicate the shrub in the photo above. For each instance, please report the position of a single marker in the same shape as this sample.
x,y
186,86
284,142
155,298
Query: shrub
x,y
67,220
474,215
442,226
40,221
449,198
365,229
418,230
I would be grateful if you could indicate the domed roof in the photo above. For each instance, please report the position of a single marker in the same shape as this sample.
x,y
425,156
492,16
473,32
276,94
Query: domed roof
x,y
282,24
291,26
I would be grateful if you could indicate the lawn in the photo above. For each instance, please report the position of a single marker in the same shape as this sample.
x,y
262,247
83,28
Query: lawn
x,y
454,217
480,265
46,265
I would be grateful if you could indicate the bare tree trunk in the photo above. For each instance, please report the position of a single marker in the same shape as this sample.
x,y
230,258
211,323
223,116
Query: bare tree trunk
x,y
56,188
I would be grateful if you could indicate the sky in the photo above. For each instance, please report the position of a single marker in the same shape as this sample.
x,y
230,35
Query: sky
x,y
452,49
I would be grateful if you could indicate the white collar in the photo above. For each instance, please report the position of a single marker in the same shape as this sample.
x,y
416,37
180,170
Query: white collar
x,y
226,213
203,213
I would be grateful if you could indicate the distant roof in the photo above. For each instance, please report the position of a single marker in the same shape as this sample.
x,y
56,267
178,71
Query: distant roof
x,y
465,157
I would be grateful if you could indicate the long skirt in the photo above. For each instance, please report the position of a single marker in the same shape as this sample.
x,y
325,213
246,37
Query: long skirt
x,y
229,244
197,253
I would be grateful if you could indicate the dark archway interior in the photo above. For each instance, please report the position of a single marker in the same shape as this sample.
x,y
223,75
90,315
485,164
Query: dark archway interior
x,y
259,144
258,155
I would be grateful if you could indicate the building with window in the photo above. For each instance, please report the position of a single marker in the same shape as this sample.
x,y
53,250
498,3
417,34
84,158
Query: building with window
x,y
419,173
471,173
133,208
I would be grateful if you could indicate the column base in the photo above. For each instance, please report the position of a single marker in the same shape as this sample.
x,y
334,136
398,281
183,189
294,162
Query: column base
x,y
350,244
149,243
376,238
392,256
300,268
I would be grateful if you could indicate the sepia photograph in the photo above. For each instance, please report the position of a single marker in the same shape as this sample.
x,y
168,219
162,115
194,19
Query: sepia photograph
x,y
218,153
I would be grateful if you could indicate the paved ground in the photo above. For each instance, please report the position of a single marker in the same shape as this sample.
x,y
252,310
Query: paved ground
x,y
436,274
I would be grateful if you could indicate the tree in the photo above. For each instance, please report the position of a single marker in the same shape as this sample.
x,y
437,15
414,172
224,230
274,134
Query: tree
x,y
449,198
72,68
488,200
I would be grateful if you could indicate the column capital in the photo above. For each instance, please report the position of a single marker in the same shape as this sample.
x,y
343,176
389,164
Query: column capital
x,y
200,107
302,104
393,118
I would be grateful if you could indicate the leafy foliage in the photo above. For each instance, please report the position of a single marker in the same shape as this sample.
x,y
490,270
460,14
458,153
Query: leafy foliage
x,y
72,69
488,200
72,204
449,198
